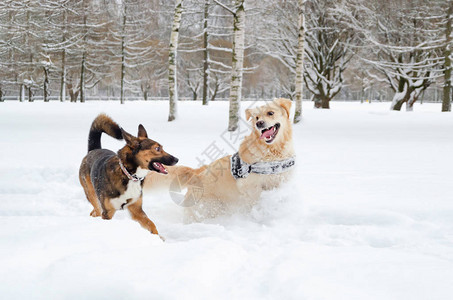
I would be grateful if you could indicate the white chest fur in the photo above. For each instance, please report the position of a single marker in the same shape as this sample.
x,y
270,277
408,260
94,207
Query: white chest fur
x,y
133,192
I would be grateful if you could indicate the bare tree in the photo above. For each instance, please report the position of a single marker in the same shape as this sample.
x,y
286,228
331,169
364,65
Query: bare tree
x,y
279,38
408,59
81,48
446,102
172,61
238,13
205,53
205,48
308,39
327,52
219,50
237,63
300,62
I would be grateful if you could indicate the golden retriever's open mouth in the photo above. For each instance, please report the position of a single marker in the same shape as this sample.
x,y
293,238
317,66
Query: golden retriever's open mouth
x,y
269,134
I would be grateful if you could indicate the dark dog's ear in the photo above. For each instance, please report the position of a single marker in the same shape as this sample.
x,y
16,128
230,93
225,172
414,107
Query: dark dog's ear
x,y
142,131
129,138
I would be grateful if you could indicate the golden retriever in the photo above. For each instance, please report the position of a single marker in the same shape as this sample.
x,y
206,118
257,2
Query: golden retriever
x,y
266,156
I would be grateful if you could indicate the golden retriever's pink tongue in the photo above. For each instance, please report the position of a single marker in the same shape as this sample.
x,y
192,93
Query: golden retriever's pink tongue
x,y
268,133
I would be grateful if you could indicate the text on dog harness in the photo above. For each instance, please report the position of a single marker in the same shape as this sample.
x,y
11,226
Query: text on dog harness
x,y
241,169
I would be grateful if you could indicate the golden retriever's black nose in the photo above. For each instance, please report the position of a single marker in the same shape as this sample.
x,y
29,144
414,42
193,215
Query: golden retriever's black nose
x,y
260,124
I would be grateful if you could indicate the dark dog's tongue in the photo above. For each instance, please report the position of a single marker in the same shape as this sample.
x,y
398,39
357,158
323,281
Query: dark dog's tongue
x,y
268,133
160,167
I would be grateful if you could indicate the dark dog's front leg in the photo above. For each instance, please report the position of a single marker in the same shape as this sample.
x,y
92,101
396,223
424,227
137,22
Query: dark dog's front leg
x,y
108,210
139,215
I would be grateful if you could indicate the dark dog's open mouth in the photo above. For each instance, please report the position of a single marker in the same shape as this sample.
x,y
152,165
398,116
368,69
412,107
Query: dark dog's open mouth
x,y
159,168
158,164
269,134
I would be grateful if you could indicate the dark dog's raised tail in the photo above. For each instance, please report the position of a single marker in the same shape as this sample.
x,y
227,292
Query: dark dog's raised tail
x,y
102,123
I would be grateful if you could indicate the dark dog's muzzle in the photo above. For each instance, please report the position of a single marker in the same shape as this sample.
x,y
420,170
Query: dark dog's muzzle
x,y
157,164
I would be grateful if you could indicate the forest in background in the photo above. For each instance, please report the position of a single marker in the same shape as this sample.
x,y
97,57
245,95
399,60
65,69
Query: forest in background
x,y
74,50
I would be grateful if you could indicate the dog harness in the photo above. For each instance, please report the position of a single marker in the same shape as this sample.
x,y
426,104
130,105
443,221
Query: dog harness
x,y
132,177
241,169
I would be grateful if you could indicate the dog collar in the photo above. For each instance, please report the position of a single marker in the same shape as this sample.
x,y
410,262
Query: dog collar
x,y
241,169
132,177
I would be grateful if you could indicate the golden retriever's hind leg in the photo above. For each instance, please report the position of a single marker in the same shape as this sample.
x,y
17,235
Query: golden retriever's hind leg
x,y
139,215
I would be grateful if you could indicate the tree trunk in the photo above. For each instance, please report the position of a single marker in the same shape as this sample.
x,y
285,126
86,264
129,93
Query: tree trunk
x,y
408,94
325,103
400,96
172,61
63,62
411,100
1,95
30,68
63,79
82,79
321,101
145,95
237,64
22,93
82,71
414,95
72,94
46,84
214,93
316,101
205,53
30,94
123,54
446,101
398,104
409,106
300,64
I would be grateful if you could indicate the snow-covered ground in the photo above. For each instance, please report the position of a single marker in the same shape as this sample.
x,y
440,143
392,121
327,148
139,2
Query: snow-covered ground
x,y
369,214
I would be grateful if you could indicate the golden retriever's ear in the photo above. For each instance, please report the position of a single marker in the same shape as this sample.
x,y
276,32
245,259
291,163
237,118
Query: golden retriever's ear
x,y
248,114
285,103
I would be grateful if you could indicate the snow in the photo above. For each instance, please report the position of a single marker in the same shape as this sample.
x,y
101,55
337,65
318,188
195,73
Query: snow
x,y
369,214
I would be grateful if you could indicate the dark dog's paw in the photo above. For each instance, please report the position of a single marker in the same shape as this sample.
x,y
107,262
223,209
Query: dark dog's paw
x,y
94,213
106,215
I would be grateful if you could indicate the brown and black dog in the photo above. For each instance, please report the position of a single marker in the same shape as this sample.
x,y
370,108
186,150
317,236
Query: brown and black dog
x,y
114,181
